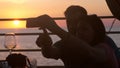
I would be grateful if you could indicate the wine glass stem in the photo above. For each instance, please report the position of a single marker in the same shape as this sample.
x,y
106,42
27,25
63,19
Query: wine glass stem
x,y
10,51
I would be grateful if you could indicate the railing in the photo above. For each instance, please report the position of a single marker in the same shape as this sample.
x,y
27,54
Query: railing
x,y
50,67
36,50
57,18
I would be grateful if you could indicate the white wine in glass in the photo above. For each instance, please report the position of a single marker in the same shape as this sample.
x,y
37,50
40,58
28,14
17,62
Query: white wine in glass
x,y
10,41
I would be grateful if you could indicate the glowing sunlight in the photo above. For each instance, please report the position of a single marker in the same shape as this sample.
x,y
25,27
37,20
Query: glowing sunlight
x,y
18,24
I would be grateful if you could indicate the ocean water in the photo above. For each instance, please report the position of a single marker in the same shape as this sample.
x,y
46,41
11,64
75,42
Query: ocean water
x,y
28,42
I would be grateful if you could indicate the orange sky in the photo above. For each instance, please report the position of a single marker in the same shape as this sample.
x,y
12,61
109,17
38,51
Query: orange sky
x,y
54,8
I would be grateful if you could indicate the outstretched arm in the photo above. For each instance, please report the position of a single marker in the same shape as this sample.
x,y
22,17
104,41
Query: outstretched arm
x,y
89,51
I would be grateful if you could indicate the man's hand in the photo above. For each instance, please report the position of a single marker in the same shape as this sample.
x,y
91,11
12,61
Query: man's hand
x,y
44,40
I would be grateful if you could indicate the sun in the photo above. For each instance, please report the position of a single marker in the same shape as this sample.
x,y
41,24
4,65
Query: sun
x,y
16,22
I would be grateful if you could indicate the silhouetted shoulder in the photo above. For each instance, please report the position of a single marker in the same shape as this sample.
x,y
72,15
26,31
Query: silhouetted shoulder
x,y
94,17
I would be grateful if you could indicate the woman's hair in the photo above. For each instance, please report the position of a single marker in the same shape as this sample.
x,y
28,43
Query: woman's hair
x,y
98,28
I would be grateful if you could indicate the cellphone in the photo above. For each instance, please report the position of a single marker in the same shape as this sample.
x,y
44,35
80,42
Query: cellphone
x,y
37,22
32,22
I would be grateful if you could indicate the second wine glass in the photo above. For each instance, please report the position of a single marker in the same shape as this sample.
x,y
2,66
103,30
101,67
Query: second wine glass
x,y
10,41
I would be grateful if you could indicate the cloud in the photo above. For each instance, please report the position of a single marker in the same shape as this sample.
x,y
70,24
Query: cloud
x,y
14,1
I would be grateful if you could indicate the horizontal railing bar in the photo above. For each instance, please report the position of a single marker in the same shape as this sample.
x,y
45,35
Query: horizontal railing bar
x,y
50,67
20,50
113,32
11,19
106,16
2,34
23,50
55,18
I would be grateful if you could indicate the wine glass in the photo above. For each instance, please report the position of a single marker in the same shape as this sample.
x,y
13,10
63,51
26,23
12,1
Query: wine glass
x,y
10,41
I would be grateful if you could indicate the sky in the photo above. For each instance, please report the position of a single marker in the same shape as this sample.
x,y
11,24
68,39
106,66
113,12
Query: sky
x,y
54,8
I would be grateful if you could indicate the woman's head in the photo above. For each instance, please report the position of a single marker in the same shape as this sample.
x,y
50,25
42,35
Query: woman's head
x,y
91,29
98,27
85,32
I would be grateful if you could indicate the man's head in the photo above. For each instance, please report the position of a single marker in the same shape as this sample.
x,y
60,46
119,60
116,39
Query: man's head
x,y
73,15
75,9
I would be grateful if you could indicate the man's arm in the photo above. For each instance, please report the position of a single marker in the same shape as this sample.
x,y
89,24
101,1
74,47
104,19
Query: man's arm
x,y
83,46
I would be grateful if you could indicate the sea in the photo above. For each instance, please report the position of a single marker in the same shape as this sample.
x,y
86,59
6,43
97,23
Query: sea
x,y
28,41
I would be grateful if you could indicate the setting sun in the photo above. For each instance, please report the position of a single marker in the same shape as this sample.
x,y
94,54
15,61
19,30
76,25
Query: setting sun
x,y
15,9
16,22
13,24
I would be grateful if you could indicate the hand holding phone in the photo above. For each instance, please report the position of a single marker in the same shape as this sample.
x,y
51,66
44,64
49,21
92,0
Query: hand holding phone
x,y
41,21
